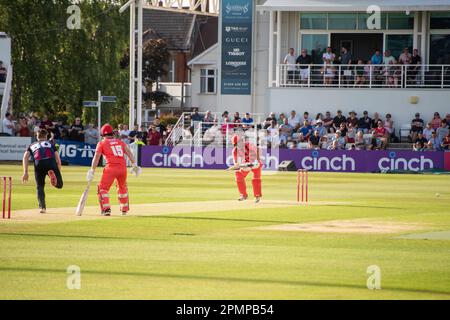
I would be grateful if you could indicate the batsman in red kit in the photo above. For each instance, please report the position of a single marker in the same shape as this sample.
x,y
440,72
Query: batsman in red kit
x,y
114,151
247,159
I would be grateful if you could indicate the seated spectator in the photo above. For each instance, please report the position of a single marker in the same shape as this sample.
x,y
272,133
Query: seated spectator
x,y
319,116
338,142
353,119
417,125
446,143
314,141
420,143
360,143
389,125
8,125
133,133
48,125
388,58
381,136
3,72
434,144
159,127
306,117
436,121
329,72
405,57
91,135
338,120
360,73
306,130
428,131
124,133
324,143
23,131
328,55
138,140
281,119
236,118
59,127
351,133
442,131
247,120
377,58
365,123
376,118
320,128
154,138
209,118
227,127
328,122
294,121
343,129
196,116
269,119
285,132
392,73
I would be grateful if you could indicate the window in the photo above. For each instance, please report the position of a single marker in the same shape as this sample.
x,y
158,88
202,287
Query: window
x,y
397,42
400,21
316,45
207,81
172,71
440,20
440,49
342,21
317,21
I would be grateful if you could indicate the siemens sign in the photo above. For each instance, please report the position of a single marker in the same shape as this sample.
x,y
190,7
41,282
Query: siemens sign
x,y
237,28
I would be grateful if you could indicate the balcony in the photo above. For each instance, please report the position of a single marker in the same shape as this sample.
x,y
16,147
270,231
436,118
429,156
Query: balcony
x,y
363,76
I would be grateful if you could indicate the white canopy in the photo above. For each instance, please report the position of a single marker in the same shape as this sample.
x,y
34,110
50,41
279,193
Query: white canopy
x,y
354,5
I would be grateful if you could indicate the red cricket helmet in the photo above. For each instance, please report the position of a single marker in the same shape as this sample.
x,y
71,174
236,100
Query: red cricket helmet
x,y
106,130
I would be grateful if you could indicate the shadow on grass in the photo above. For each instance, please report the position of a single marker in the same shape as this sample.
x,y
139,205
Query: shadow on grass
x,y
214,219
75,237
227,279
349,206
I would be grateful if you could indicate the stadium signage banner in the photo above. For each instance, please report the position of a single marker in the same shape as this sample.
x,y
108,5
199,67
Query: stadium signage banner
x,y
76,153
237,29
13,148
313,160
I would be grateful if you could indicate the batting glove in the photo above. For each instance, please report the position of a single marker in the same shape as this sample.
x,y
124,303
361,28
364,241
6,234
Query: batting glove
x,y
90,175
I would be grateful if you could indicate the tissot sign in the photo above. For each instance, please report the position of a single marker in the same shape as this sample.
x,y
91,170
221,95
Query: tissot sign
x,y
237,20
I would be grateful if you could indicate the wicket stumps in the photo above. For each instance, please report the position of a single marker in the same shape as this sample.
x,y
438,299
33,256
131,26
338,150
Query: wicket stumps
x,y
7,188
302,184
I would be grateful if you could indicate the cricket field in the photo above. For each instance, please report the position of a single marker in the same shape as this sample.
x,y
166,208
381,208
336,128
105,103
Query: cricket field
x,y
187,237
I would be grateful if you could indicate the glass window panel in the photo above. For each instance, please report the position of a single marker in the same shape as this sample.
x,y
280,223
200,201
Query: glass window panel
x,y
202,85
400,21
203,72
317,21
342,21
440,20
316,45
211,85
362,21
440,49
211,72
397,42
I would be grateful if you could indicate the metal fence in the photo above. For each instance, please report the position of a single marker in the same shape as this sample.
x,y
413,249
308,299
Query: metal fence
x,y
364,76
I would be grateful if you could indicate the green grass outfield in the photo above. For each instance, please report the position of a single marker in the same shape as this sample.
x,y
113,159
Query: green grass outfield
x,y
218,254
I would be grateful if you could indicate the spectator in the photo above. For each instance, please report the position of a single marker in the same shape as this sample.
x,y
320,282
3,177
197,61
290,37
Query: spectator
x,y
446,143
23,131
338,142
76,131
360,143
294,121
389,125
209,118
351,133
247,121
376,118
195,116
328,122
388,58
434,144
290,60
134,132
59,127
329,73
160,128
405,57
237,118
3,72
353,119
144,133
338,120
138,140
377,58
306,117
8,125
428,131
447,119
227,126
124,133
305,61
306,130
154,137
225,115
360,74
381,135
47,124
320,128
416,126
319,116
281,119
365,123
392,73
442,131
328,56
436,121
91,135
285,132
314,141
346,60
343,129
324,143
414,69
420,143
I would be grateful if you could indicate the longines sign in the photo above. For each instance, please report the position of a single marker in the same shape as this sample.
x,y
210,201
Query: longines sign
x,y
237,25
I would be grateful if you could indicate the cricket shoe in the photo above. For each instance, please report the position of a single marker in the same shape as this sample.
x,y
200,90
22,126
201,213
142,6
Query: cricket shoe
x,y
243,198
43,210
257,199
52,176
124,213
106,213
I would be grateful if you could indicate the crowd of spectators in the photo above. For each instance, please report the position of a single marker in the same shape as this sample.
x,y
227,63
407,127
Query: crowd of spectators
x,y
380,69
327,131
28,126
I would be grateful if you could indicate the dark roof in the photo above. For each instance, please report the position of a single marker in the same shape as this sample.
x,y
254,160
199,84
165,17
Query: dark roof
x,y
177,30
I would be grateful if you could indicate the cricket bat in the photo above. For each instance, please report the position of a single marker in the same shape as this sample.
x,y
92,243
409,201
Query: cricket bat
x,y
239,166
83,199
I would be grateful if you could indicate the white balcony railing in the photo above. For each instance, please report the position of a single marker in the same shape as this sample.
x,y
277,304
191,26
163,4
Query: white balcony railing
x,y
364,76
